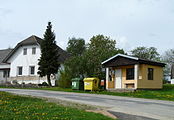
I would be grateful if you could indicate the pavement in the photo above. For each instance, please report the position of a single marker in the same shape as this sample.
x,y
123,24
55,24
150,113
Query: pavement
x,y
125,108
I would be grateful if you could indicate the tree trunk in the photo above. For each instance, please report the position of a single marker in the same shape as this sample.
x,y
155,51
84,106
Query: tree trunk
x,y
49,80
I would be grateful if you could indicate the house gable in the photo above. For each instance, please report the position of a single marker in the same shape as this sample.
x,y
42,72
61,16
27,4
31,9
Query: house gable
x,y
32,40
120,61
123,60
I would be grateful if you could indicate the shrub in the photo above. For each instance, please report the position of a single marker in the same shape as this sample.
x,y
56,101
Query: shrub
x,y
15,82
64,80
165,81
44,84
23,83
168,87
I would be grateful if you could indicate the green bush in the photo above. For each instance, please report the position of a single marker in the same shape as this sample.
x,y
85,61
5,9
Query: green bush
x,y
44,84
165,81
64,80
168,87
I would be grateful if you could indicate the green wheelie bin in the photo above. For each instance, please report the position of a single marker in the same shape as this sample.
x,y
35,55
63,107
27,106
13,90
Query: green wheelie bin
x,y
77,84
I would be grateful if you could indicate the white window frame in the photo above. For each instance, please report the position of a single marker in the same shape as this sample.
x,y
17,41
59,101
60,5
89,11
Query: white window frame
x,y
33,52
24,51
30,70
18,70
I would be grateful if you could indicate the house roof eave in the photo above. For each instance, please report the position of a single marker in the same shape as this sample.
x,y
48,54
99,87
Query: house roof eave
x,y
126,56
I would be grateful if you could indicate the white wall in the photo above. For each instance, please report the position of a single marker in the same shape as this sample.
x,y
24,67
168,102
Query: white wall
x,y
18,59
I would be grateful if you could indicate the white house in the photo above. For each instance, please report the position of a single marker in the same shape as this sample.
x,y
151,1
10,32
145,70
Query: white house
x,y
21,63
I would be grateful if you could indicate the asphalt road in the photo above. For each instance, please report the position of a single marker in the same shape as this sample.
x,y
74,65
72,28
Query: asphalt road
x,y
125,108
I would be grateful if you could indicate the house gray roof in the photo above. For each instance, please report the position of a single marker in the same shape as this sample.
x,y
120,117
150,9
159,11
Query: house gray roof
x,y
34,40
64,55
3,54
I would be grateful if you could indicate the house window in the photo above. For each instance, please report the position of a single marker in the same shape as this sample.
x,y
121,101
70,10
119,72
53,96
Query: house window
x,y
34,50
6,73
25,51
150,73
130,74
32,70
19,70
111,75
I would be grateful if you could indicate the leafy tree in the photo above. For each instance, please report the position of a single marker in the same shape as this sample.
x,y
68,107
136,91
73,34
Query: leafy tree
x,y
48,62
146,53
76,47
86,59
74,66
168,58
99,49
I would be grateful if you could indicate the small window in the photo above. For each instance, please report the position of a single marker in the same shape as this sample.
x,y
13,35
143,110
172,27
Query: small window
x,y
34,50
111,75
25,51
19,70
6,73
130,74
150,73
32,70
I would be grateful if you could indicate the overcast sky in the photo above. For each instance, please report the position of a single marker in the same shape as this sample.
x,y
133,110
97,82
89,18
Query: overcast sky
x,y
131,23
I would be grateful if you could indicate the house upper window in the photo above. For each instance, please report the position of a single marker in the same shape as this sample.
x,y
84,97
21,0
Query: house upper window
x,y
32,70
19,71
34,50
25,51
130,74
150,73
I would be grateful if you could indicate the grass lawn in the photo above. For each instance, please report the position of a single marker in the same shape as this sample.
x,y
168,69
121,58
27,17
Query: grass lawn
x,y
167,93
14,107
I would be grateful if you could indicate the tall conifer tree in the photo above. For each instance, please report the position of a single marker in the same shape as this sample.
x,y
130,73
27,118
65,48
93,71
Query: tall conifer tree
x,y
48,62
